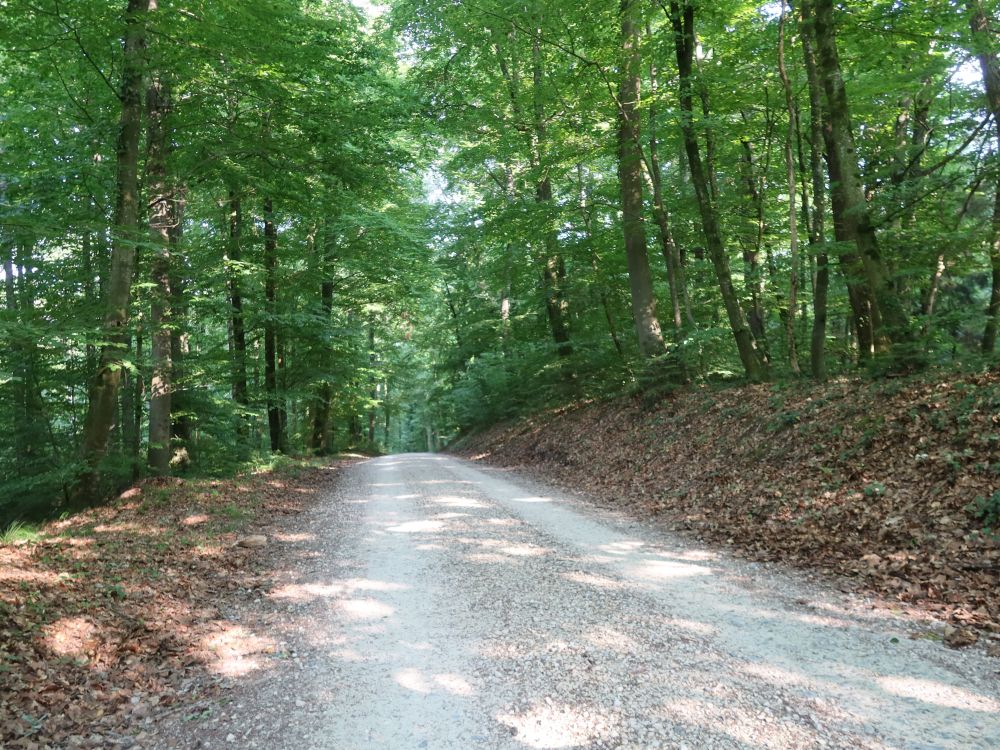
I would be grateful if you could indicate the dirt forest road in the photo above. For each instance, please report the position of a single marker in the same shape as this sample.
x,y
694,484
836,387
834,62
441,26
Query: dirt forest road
x,y
434,603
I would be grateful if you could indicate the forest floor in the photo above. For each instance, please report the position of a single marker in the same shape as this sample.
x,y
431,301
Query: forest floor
x,y
885,483
116,614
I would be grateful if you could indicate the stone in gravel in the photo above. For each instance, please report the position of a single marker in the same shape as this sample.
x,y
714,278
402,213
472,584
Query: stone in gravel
x,y
252,541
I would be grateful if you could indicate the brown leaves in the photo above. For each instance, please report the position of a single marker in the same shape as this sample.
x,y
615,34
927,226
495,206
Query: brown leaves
x,y
859,478
103,620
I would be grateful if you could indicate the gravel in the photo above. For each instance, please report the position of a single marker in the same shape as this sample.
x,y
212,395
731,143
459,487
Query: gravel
x,y
436,604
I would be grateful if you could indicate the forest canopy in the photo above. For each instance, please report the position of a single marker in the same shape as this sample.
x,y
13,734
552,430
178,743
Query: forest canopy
x,y
231,229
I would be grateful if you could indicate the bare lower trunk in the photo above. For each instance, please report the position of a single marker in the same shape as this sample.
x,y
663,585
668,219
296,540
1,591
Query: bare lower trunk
x,y
234,256
160,215
103,393
320,442
275,422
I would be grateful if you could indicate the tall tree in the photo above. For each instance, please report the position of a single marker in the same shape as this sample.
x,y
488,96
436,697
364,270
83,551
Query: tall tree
x,y
103,394
647,325
682,22
982,36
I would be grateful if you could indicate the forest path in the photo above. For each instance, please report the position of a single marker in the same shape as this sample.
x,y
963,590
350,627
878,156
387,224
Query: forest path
x,y
448,606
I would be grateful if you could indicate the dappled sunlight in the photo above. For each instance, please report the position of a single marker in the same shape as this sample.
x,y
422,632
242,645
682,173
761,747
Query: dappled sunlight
x,y
553,725
129,527
71,636
365,609
487,558
769,730
773,674
417,527
196,519
610,639
661,570
414,679
458,502
694,626
595,580
623,547
293,538
301,592
41,577
938,694
235,651
504,521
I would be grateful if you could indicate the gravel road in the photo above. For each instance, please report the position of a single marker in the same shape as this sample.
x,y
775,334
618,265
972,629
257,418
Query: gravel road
x,y
434,603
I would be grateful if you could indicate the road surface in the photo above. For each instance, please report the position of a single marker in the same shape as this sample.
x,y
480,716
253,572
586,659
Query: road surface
x,y
438,604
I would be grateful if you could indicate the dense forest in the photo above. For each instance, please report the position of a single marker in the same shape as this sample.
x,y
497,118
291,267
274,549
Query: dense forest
x,y
232,229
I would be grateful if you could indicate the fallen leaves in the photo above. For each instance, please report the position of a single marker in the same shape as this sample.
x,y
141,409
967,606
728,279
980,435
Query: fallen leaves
x,y
118,614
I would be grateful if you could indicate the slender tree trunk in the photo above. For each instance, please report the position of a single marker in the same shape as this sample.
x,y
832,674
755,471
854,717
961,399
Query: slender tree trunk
x,y
321,406
103,394
554,273
234,257
682,20
675,273
979,24
585,212
890,321
160,216
793,234
181,422
817,234
647,326
274,418
757,317
373,381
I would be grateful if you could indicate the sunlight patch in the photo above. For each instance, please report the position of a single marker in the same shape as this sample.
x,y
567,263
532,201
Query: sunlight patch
x,y
71,636
597,581
234,650
365,609
417,527
302,592
938,693
555,725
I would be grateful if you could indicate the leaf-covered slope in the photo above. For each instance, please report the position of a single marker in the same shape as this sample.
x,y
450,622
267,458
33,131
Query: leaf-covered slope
x,y
873,480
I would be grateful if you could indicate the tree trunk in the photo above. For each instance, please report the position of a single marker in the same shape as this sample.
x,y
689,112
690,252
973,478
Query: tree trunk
x,y
890,321
793,235
585,212
647,326
274,416
160,218
103,393
372,380
682,20
981,35
320,441
234,257
817,234
675,273
554,273
181,423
